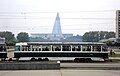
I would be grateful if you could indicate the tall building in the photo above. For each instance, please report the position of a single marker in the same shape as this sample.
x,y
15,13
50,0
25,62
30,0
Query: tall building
x,y
118,24
57,32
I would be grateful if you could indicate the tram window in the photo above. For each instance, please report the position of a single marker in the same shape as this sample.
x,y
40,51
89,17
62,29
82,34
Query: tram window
x,y
1,48
36,48
104,48
24,48
66,48
56,47
5,48
39,49
27,48
96,48
17,48
46,48
33,48
79,48
73,49
86,48
76,48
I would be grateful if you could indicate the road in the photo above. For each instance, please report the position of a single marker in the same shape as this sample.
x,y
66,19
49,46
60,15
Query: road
x,y
91,66
61,73
67,72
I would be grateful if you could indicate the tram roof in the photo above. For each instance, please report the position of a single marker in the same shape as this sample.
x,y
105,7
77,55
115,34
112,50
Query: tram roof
x,y
57,43
74,43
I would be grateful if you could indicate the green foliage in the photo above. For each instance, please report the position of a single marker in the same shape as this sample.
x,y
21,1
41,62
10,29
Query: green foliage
x,y
23,37
95,36
9,37
77,38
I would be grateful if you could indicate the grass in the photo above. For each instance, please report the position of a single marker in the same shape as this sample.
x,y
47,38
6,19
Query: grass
x,y
116,55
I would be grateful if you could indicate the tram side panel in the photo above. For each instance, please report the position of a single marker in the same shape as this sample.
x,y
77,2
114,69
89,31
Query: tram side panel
x,y
60,54
61,50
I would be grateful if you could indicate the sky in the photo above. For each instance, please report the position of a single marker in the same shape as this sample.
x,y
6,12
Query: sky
x,y
77,16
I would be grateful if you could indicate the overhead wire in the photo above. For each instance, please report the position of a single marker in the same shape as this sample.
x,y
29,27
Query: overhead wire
x,y
23,15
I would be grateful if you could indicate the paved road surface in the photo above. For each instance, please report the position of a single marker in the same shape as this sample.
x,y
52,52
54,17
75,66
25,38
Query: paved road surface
x,y
61,73
90,64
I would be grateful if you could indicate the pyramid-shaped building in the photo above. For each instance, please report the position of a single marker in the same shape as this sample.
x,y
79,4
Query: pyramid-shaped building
x,y
57,32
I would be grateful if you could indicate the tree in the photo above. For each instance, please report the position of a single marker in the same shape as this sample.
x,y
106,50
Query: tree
x,y
95,36
23,37
9,37
76,38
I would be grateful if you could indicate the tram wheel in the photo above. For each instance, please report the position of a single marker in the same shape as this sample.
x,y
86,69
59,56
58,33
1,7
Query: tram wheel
x,y
46,59
76,60
85,59
106,60
40,59
17,59
10,59
88,60
3,59
33,59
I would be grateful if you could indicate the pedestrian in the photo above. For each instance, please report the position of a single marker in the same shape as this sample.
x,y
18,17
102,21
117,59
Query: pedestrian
x,y
110,52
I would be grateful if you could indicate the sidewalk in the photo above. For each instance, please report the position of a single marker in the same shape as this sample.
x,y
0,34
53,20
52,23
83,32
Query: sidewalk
x,y
61,73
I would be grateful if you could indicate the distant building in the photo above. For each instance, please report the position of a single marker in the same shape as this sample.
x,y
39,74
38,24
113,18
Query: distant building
x,y
67,35
118,24
39,35
47,36
56,34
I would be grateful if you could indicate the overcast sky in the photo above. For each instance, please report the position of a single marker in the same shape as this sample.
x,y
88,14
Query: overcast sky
x,y
77,16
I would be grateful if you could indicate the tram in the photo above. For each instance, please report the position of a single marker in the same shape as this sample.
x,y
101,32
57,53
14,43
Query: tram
x,y
3,52
61,50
